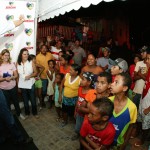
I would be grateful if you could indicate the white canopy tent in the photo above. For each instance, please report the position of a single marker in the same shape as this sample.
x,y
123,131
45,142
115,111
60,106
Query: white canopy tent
x,y
51,8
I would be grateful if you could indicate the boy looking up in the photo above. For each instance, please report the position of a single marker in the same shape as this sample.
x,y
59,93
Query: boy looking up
x,y
125,111
96,131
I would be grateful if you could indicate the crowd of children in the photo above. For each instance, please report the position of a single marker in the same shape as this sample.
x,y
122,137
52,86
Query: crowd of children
x,y
107,104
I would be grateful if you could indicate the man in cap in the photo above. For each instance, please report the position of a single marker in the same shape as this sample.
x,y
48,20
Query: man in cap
x,y
104,61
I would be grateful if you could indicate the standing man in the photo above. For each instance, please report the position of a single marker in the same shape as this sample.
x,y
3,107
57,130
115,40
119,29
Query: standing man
x,y
42,59
79,53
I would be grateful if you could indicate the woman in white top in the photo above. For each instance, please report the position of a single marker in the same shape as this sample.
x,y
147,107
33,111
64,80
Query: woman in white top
x,y
27,71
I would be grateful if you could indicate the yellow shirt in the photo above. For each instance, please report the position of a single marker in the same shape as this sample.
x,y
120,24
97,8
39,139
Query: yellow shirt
x,y
43,60
71,88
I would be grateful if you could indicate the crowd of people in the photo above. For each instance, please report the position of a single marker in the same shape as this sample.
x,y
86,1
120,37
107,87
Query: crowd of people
x,y
108,99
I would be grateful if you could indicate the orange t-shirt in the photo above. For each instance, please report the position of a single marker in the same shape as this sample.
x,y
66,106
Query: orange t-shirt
x,y
63,70
91,95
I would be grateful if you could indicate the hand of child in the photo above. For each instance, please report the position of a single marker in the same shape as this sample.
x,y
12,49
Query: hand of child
x,y
146,111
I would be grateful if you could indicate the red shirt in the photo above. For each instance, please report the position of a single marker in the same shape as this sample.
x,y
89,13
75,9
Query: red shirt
x,y
147,84
131,71
81,99
101,137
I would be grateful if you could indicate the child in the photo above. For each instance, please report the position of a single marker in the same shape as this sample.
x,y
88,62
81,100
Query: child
x,y
58,79
87,83
38,82
144,107
125,111
96,131
51,78
71,84
103,83
119,66
65,66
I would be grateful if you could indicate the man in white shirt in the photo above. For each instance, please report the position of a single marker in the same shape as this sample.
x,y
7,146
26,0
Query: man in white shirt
x,y
140,72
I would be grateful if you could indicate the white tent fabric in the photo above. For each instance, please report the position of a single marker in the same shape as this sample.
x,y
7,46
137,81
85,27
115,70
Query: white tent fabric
x,y
51,8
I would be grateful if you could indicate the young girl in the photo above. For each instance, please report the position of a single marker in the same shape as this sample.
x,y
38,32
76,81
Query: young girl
x,y
38,81
71,84
57,83
51,78
65,66
144,108
87,83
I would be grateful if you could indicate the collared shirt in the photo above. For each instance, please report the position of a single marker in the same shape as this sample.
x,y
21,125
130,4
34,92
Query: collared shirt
x,y
43,60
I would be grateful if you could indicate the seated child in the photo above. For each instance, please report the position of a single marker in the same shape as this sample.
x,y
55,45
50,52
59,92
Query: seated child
x,y
125,111
87,83
96,131
103,83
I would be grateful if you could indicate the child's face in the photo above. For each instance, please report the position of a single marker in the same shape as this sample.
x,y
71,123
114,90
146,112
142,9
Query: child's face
x,y
148,59
102,85
57,79
34,60
51,64
143,55
60,54
118,85
62,61
72,72
115,70
136,59
84,82
94,114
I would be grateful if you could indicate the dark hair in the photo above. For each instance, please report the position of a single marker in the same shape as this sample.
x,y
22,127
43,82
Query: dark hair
x,y
126,79
76,68
43,46
71,53
31,56
61,75
107,76
105,106
92,55
53,61
66,57
20,56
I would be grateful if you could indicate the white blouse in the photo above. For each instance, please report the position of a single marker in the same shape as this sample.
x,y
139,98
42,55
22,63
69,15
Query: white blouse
x,y
24,70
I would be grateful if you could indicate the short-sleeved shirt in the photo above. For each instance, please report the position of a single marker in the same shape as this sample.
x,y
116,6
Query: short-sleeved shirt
x,y
103,62
55,52
100,137
43,61
7,69
139,84
122,120
81,99
79,54
63,70
71,87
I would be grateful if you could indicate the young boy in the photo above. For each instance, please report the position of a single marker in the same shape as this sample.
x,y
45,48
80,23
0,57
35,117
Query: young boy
x,y
103,83
119,66
125,111
96,131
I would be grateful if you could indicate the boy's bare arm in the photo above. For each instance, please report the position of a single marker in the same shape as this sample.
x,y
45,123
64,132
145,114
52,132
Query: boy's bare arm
x,y
60,90
127,137
84,143
41,68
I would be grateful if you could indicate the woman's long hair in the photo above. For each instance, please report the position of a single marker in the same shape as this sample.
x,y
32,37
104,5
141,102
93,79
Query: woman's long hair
x,y
2,53
20,56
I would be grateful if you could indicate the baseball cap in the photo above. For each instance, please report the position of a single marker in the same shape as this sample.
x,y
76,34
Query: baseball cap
x,y
144,49
89,76
107,48
119,62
